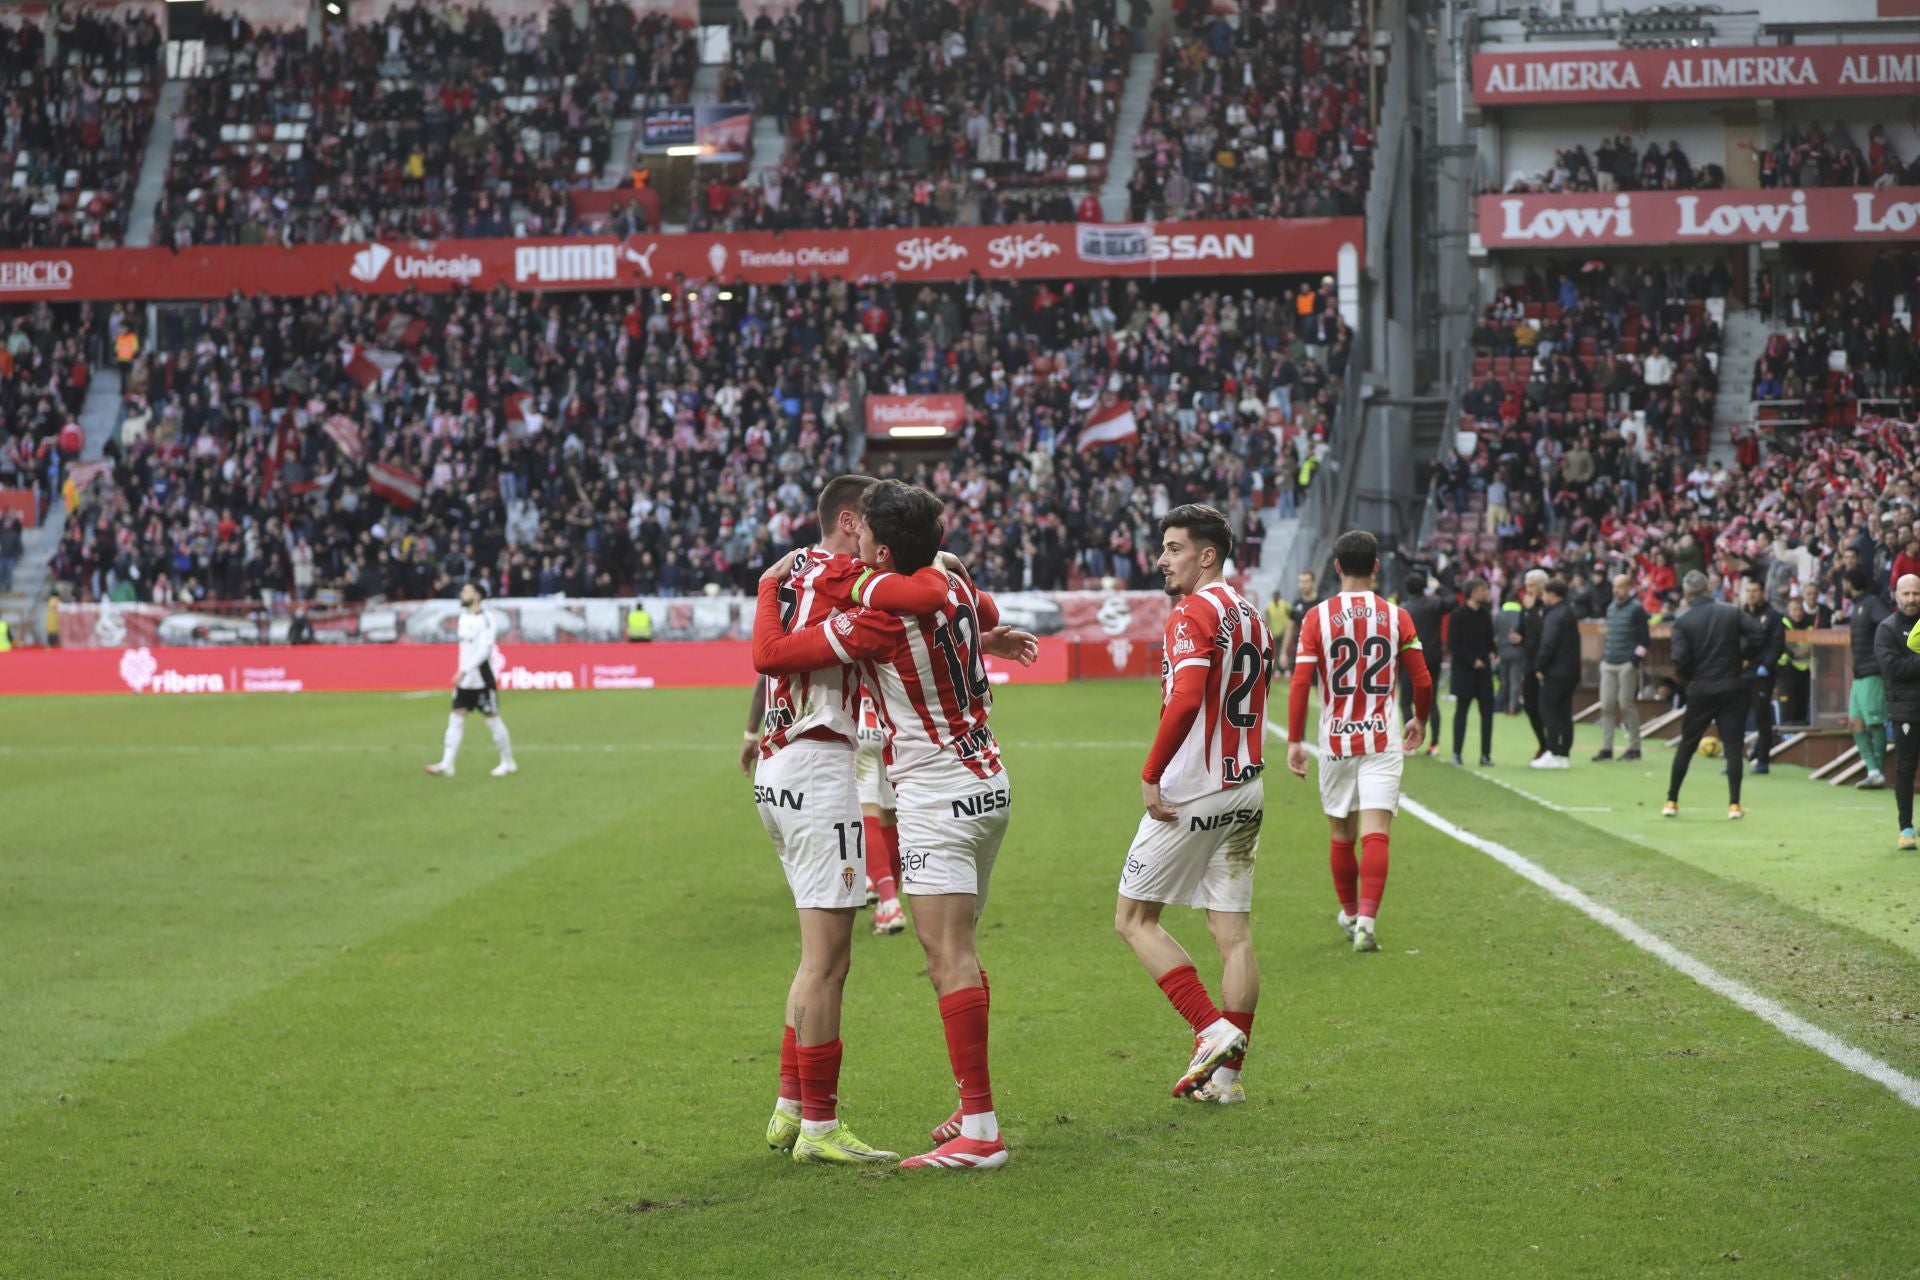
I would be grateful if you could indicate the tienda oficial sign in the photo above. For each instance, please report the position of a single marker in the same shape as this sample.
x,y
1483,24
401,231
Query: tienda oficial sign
x,y
1698,217
1667,75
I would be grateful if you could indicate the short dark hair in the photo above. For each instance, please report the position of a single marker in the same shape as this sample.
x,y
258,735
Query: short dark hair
x,y
904,519
842,493
1356,552
1203,524
1473,585
1416,583
1556,585
477,585
1859,581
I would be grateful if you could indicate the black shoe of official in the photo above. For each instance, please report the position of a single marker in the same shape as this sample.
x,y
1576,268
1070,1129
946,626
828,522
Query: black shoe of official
x,y
1632,754
1762,767
1598,756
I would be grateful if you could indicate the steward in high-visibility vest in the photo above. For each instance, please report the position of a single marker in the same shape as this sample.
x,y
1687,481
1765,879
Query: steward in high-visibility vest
x,y
6,637
639,623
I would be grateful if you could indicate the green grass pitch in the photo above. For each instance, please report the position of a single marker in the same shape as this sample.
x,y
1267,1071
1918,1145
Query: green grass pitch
x,y
275,1004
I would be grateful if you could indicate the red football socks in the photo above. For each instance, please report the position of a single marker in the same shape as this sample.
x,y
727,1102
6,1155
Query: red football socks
x,y
1189,996
879,869
819,1080
1244,1021
790,1066
1346,875
964,1014
1373,872
890,842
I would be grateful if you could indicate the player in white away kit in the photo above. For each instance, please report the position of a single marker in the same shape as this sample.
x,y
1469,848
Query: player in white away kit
x,y
1204,800
805,791
475,688
932,693
1350,645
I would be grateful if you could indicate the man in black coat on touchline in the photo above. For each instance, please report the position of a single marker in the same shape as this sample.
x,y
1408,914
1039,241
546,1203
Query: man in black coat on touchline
x,y
1900,672
1471,646
1533,613
1712,643
1763,670
1427,612
1557,667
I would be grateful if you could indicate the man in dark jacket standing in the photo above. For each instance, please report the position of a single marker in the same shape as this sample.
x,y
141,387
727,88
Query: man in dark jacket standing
x,y
1900,670
1867,698
1557,667
1712,642
1628,636
1427,612
1763,669
1470,645
1533,613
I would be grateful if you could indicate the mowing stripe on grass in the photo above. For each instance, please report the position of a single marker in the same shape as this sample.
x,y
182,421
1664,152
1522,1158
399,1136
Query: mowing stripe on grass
x,y
1780,1018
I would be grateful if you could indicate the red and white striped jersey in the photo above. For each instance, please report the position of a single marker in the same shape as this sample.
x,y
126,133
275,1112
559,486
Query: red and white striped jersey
x,y
1352,642
827,699
928,679
1217,629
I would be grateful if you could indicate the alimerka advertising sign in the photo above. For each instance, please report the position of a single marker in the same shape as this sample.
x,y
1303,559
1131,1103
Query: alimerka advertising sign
x,y
1677,75
1699,217
1040,251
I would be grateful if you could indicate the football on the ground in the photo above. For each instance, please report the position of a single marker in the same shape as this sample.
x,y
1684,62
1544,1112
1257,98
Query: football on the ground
x,y
1709,747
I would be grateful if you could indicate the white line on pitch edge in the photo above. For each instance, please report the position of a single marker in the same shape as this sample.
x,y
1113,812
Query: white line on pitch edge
x,y
1772,1012
1542,800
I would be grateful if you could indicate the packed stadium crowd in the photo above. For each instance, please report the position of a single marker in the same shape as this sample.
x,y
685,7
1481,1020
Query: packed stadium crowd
x,y
606,444
932,113
1846,351
1812,156
1617,164
1266,116
1804,156
73,132
428,123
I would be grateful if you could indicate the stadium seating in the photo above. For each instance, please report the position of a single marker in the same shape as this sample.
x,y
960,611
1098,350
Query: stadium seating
x,y
72,134
427,124
1846,358
603,444
1263,117
934,114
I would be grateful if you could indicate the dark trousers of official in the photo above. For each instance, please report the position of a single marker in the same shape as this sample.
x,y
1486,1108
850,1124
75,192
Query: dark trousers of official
x,y
1906,758
1796,691
1556,713
1726,712
1760,710
1482,693
1530,701
1406,702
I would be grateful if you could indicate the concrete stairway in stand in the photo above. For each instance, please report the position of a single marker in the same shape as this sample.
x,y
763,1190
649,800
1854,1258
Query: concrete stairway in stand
x,y
25,605
1124,156
153,165
1743,340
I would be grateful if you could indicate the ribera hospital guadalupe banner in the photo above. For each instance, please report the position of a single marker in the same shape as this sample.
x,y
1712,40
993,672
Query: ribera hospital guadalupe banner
x,y
1136,616
1699,217
1675,75
1035,251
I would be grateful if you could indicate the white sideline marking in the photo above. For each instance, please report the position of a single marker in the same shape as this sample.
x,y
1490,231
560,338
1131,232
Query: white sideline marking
x,y
1542,800
1776,1015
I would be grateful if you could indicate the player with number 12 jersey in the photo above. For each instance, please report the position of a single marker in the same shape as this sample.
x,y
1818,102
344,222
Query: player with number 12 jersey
x,y
1353,647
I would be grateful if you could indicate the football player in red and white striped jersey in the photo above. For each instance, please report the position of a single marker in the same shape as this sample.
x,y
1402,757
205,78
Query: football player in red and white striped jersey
x,y
1204,799
803,735
1350,645
951,791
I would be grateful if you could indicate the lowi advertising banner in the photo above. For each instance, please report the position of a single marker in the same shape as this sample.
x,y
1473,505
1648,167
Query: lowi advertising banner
x,y
1677,75
1035,251
1699,217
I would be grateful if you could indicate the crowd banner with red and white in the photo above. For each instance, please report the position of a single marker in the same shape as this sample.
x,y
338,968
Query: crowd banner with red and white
x,y
930,417
1110,424
1706,74
1699,217
1097,616
144,669
1036,251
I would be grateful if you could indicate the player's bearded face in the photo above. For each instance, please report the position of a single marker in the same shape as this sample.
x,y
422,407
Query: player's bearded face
x,y
1180,565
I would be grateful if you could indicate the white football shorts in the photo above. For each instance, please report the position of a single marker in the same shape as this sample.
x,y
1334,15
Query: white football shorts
x,y
811,811
1361,782
951,823
870,773
1203,860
